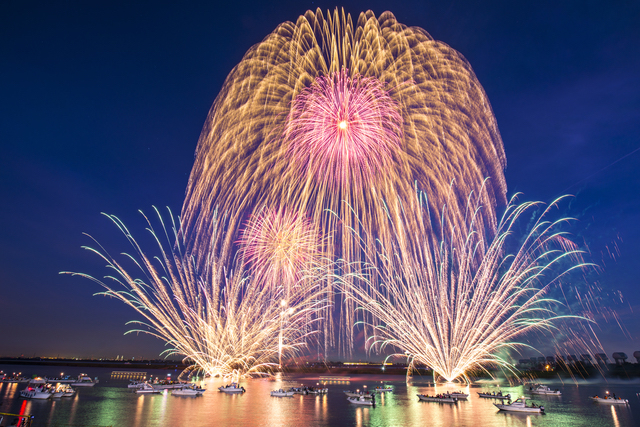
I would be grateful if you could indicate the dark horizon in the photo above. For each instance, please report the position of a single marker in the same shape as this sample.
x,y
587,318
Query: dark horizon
x,y
103,104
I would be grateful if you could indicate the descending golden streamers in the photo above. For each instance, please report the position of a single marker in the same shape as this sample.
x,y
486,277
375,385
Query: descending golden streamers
x,y
215,317
328,114
454,304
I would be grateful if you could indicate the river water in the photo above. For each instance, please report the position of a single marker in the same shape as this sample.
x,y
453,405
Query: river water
x,y
111,403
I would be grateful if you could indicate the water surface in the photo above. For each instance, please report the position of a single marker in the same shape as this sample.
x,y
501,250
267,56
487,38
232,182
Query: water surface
x,y
111,403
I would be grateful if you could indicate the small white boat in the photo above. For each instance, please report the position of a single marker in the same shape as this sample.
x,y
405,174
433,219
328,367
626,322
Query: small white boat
x,y
147,389
135,384
232,388
442,398
84,381
299,390
66,389
520,405
495,395
37,389
362,401
187,391
281,393
384,389
459,395
610,400
312,390
544,390
56,393
350,393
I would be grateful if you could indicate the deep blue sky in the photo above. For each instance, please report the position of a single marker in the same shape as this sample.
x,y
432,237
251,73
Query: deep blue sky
x,y
102,103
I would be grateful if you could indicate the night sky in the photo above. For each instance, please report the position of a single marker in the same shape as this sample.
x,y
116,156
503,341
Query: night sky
x,y
102,103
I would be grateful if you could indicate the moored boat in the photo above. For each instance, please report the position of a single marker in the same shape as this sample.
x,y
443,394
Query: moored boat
x,y
66,389
37,389
520,405
608,399
544,390
232,388
62,380
84,381
188,391
442,398
313,390
281,393
362,401
384,389
495,395
147,389
366,395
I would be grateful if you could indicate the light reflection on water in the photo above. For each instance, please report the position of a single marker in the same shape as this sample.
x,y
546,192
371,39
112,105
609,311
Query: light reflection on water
x,y
111,403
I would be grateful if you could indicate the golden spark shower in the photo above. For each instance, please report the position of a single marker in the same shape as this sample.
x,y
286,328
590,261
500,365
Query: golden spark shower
x,y
327,113
218,319
455,304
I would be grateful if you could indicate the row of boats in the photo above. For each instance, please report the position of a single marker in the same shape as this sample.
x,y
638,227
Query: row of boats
x,y
367,398
46,388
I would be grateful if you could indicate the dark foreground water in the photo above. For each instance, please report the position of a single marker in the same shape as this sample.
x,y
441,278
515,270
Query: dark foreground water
x,y
111,403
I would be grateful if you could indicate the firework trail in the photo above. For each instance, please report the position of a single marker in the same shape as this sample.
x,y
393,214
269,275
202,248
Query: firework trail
x,y
326,113
222,323
456,303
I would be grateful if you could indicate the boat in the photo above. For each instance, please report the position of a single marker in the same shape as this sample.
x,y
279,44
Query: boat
x,y
62,380
66,389
168,384
188,391
544,390
459,395
495,395
299,390
362,401
366,395
147,389
520,405
609,399
84,381
384,389
232,388
135,384
281,393
56,393
37,389
14,379
313,390
442,398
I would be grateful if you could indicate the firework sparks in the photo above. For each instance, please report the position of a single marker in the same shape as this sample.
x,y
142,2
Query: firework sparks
x,y
224,324
326,111
343,131
454,304
278,247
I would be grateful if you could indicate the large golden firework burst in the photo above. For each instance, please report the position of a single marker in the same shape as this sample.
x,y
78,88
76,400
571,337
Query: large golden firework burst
x,y
330,115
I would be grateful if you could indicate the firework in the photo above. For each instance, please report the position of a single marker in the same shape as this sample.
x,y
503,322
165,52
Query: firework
x,y
455,304
342,131
331,115
222,323
278,248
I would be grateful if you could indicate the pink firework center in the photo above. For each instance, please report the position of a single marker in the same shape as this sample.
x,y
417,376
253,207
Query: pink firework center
x,y
343,129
